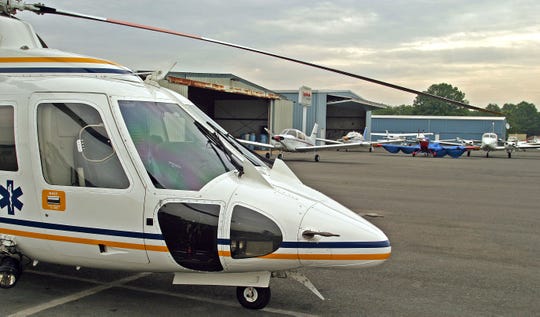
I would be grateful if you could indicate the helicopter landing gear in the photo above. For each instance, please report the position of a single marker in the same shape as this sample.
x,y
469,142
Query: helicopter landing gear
x,y
10,271
253,297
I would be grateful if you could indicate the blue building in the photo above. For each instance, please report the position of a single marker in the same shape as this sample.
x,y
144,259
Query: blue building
x,y
335,111
443,127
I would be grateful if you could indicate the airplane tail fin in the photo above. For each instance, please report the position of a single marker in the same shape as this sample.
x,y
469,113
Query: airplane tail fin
x,y
365,133
314,131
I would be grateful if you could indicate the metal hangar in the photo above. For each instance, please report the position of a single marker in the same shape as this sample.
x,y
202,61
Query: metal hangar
x,y
243,108
444,127
335,111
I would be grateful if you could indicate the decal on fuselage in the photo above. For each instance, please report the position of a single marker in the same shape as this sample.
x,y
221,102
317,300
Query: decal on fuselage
x,y
9,196
53,200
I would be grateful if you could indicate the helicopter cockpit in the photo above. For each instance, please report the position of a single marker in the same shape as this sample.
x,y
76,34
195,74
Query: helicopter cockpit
x,y
175,150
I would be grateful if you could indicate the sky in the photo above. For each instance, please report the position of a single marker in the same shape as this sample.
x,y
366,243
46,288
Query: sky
x,y
490,50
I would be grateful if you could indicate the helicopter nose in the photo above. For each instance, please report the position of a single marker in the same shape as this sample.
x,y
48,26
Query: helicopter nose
x,y
329,237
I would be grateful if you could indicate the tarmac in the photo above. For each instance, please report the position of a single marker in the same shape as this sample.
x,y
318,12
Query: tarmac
x,y
465,237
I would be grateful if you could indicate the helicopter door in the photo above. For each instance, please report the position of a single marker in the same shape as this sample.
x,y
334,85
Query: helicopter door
x,y
91,200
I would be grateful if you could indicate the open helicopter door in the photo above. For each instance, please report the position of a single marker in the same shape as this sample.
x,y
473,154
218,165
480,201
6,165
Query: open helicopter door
x,y
91,198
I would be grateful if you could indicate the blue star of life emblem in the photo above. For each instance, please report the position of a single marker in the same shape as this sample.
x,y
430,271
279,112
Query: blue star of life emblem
x,y
9,196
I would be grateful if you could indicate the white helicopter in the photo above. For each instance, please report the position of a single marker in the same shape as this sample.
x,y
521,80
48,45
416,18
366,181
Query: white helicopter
x,y
101,169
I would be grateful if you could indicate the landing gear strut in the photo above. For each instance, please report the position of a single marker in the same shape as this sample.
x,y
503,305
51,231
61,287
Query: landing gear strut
x,y
10,271
253,297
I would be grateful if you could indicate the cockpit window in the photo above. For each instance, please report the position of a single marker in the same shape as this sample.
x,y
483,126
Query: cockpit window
x,y
174,151
253,234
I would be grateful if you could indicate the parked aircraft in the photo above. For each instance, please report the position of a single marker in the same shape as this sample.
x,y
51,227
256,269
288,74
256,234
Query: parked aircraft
x,y
491,142
403,137
428,148
293,140
101,169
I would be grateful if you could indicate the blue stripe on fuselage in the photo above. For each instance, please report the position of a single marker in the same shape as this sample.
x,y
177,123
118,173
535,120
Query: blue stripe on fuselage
x,y
54,226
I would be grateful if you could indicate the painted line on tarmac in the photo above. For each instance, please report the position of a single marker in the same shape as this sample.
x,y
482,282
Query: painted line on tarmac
x,y
77,296
121,284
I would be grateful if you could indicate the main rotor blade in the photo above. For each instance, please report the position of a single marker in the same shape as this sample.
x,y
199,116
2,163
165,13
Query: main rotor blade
x,y
41,9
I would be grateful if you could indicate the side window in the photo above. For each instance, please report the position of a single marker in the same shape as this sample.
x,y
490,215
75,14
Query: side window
x,y
8,154
75,148
253,234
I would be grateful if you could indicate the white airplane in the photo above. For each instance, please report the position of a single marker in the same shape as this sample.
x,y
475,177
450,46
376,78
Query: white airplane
x,y
101,169
490,142
401,137
293,140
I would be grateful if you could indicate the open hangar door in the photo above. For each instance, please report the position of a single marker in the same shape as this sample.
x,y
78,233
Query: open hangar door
x,y
345,115
241,107
238,114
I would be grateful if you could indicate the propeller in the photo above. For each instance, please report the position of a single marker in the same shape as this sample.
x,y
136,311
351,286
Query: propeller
x,y
11,6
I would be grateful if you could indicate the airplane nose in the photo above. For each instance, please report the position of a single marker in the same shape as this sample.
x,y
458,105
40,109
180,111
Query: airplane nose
x,y
340,238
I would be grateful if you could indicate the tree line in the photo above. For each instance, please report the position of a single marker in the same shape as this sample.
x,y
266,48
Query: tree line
x,y
522,117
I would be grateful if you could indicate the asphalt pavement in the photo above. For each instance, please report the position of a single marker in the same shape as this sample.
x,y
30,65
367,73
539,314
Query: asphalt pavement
x,y
465,237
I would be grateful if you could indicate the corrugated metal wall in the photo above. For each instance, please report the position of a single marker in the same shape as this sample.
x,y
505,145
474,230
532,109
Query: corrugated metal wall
x,y
445,127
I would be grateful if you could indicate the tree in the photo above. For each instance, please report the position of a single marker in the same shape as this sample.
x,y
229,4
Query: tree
x,y
425,105
492,107
523,118
400,110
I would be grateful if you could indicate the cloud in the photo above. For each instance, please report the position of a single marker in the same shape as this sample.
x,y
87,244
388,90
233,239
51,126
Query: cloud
x,y
482,47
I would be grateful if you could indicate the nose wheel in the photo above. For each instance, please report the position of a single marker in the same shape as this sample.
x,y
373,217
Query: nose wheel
x,y
10,271
253,297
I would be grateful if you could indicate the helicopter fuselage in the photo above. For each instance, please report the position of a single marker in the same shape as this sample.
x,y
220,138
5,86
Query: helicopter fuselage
x,y
101,169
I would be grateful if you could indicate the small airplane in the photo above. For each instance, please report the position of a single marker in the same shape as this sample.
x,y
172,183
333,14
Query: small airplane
x,y
431,149
293,140
491,142
99,168
402,137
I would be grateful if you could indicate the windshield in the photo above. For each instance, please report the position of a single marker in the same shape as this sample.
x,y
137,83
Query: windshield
x,y
253,157
174,151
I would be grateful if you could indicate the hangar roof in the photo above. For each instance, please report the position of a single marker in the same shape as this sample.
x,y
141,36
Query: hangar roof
x,y
221,82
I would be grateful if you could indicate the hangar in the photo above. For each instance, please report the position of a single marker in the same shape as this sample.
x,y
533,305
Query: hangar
x,y
241,107
444,127
335,111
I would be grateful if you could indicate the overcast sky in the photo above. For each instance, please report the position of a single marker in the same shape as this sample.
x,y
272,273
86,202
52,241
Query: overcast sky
x,y
490,50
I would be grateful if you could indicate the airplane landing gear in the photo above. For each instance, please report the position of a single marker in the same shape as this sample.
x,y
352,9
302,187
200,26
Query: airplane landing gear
x,y
253,297
509,154
10,271
316,157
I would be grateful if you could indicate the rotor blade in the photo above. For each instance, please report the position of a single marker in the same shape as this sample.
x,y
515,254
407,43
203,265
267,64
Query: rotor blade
x,y
41,9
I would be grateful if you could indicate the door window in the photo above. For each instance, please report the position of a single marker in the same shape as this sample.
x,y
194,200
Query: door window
x,y
190,232
252,234
8,155
75,147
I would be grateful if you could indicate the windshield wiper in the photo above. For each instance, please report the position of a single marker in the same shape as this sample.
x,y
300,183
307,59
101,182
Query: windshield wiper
x,y
242,148
213,137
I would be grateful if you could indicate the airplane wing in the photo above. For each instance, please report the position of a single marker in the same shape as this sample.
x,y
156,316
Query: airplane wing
x,y
332,146
259,144
407,149
399,135
329,141
528,146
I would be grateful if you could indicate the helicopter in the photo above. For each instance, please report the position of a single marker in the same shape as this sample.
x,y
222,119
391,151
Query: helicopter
x,y
99,168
